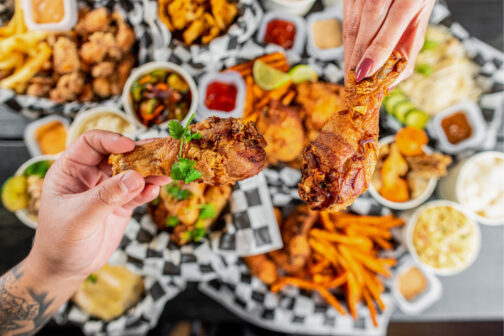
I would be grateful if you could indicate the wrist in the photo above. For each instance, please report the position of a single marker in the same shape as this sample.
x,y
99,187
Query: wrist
x,y
42,270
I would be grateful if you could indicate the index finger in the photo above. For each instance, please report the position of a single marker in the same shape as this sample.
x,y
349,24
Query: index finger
x,y
91,147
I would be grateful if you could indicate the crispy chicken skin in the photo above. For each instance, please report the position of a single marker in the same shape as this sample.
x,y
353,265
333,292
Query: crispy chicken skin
x,y
230,150
282,128
339,164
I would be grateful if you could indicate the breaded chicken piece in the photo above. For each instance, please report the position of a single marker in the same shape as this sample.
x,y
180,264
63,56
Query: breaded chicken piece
x,y
229,151
283,131
65,56
339,164
263,268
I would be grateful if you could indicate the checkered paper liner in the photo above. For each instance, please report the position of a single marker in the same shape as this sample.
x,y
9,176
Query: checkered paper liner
x,y
154,42
198,57
33,107
137,320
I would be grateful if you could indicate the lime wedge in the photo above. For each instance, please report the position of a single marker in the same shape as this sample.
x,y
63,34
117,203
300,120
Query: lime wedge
x,y
14,195
269,78
302,73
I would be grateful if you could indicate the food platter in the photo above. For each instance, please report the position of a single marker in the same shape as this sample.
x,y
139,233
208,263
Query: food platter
x,y
244,220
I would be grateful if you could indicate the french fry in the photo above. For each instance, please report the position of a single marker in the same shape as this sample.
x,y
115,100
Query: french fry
x,y
340,280
359,241
288,98
369,231
371,307
383,243
326,295
326,221
29,69
21,42
320,266
12,61
368,261
353,295
352,264
374,289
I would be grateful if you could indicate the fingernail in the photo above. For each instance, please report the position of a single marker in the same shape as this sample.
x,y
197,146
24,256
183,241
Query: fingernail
x,y
363,69
392,87
129,182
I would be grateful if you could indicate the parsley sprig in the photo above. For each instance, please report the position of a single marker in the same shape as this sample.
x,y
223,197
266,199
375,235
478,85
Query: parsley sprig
x,y
183,169
176,192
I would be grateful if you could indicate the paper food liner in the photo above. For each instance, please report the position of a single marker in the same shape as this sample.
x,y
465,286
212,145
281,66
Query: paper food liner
x,y
297,311
200,56
33,107
137,320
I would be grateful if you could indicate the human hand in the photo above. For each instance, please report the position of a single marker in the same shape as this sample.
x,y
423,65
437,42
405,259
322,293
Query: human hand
x,y
373,29
84,211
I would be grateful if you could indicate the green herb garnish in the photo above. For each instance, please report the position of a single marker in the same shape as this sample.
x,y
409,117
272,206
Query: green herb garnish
x,y
174,190
171,221
424,69
183,169
429,45
38,168
155,202
207,211
92,277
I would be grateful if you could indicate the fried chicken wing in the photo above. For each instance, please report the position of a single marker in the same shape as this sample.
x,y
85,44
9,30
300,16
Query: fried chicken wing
x,y
262,267
293,257
282,128
229,150
339,163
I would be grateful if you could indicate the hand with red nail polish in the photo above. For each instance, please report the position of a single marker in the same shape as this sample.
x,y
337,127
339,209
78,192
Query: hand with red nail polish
x,y
373,29
84,210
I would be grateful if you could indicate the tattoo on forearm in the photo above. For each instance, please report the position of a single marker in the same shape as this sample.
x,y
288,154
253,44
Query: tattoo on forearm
x,y
26,311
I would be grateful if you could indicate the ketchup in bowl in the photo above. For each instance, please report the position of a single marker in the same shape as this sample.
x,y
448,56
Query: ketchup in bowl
x,y
280,32
221,96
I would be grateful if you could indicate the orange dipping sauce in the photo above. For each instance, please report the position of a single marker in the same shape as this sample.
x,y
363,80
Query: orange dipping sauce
x,y
280,32
48,11
221,96
457,127
51,137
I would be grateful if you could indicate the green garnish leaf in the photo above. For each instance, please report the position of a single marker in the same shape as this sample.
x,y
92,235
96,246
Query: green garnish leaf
x,y
424,69
38,168
198,234
207,211
92,277
155,202
175,129
171,221
183,170
174,190
429,45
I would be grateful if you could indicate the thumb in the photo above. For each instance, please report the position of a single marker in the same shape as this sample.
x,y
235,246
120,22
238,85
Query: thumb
x,y
115,192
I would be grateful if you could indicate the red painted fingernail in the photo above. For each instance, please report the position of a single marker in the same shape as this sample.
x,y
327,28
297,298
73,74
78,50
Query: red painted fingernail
x,y
363,69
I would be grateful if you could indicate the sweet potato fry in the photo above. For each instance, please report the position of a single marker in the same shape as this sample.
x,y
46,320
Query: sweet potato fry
x,y
326,295
371,307
338,281
288,98
368,261
358,241
369,231
326,221
384,244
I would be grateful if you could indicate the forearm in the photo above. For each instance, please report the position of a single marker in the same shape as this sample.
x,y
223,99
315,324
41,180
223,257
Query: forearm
x,y
29,296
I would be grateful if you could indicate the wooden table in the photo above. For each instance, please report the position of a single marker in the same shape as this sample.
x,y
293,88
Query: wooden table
x,y
476,294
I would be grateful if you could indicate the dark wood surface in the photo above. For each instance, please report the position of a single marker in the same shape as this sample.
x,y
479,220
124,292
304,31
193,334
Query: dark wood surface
x,y
482,18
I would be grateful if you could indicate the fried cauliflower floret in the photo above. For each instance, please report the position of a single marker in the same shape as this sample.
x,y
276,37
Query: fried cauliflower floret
x,y
68,88
102,69
100,45
65,56
94,21
101,87
125,36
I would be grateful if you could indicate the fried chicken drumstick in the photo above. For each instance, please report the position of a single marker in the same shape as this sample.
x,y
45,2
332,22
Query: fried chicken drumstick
x,y
230,150
339,164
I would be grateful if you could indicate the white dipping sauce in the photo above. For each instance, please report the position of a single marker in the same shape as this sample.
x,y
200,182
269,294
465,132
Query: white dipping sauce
x,y
482,187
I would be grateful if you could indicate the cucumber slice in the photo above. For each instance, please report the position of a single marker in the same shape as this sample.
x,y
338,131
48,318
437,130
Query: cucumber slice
x,y
392,101
402,108
416,118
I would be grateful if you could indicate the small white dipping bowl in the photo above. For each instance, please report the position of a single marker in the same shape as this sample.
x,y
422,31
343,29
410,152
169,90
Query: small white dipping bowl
x,y
149,67
22,214
429,190
84,116
410,226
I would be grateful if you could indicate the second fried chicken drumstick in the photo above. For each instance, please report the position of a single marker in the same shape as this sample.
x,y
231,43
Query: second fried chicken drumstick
x,y
229,150
339,164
